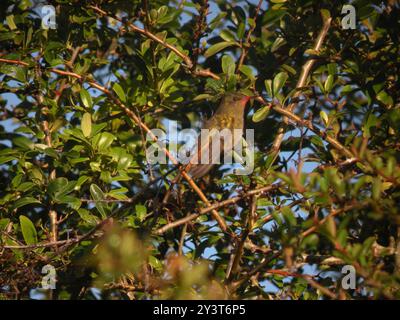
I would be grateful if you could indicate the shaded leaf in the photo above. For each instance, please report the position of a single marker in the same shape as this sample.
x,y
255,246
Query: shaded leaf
x,y
28,230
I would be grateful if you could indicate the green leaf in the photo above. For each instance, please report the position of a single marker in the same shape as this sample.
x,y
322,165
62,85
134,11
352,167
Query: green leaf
x,y
385,98
141,211
324,117
228,65
329,83
372,121
86,124
289,216
118,193
120,92
51,153
10,22
4,223
28,230
227,35
104,141
86,98
155,263
218,47
247,71
376,188
289,69
203,96
14,71
332,68
241,30
60,187
279,42
98,195
6,159
25,201
238,15
72,202
268,87
89,218
279,82
261,114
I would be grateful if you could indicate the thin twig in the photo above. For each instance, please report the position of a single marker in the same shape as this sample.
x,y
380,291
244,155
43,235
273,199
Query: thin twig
x,y
18,62
217,205
334,213
246,45
334,142
198,32
47,139
67,242
69,64
239,248
300,84
186,59
321,288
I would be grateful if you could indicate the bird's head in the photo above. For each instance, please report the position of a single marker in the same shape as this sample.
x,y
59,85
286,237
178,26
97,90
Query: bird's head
x,y
236,99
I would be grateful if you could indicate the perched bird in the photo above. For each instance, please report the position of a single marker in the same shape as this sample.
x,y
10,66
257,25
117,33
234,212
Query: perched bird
x,y
229,115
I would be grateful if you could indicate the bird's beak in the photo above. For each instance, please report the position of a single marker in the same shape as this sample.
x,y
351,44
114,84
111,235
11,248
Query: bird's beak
x,y
247,99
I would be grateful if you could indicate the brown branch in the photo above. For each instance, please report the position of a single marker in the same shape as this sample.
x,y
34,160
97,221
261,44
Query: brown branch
x,y
289,274
288,114
256,270
239,247
397,252
177,223
369,278
246,45
142,137
182,240
47,139
304,123
186,59
129,200
300,84
334,213
69,64
147,34
217,205
321,288
198,31
53,217
67,242
351,157
21,63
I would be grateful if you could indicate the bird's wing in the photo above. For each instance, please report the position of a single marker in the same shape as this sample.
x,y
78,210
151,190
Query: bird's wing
x,y
198,165
208,154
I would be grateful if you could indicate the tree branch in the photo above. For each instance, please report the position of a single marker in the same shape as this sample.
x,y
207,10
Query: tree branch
x,y
217,205
62,242
300,84
246,44
186,59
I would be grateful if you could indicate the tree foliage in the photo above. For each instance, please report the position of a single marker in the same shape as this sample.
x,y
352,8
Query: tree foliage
x,y
77,192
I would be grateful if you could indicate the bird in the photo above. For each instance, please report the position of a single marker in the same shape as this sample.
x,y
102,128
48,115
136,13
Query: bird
x,y
229,115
